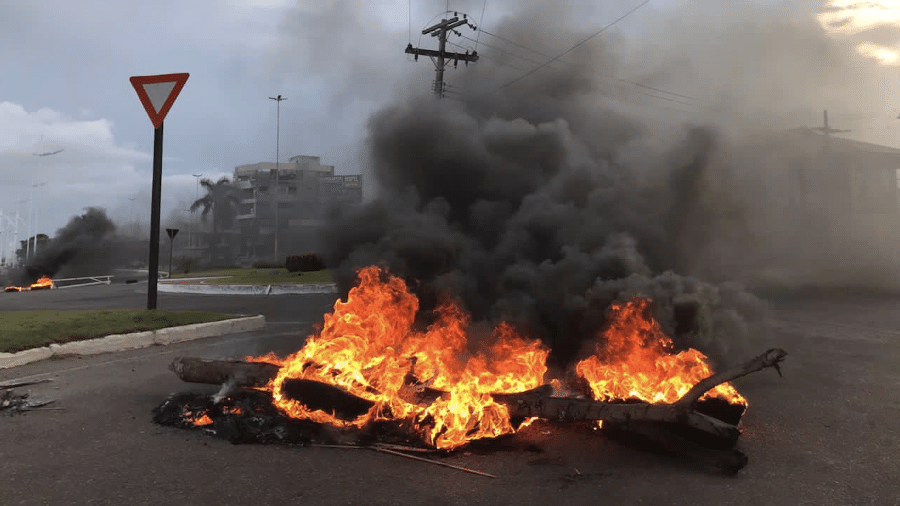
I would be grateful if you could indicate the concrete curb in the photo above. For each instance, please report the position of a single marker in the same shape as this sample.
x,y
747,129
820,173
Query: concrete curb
x,y
247,289
122,342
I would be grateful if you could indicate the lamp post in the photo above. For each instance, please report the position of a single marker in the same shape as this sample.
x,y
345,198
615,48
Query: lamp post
x,y
36,220
16,241
14,223
278,100
47,153
196,198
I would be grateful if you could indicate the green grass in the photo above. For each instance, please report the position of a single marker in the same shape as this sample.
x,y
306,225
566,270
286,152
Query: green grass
x,y
21,330
260,276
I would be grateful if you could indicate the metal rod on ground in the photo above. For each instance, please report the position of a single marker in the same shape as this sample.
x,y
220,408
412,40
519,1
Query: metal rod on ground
x,y
382,449
451,466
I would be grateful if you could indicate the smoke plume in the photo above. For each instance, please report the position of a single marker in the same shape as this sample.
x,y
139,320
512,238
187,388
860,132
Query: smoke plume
x,y
541,199
84,247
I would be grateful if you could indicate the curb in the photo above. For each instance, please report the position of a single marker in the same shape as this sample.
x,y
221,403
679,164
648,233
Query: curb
x,y
133,341
248,289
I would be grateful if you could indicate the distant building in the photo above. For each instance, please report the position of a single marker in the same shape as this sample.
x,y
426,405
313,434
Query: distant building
x,y
822,200
294,198
809,172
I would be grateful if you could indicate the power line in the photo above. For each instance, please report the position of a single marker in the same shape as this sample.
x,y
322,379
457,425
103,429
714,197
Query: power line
x,y
504,39
501,50
501,63
480,21
576,46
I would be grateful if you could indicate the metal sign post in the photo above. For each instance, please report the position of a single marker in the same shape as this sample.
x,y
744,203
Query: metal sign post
x,y
172,233
157,94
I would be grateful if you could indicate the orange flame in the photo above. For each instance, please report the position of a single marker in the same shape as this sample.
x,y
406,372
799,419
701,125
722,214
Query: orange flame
x,y
200,419
42,283
634,360
368,345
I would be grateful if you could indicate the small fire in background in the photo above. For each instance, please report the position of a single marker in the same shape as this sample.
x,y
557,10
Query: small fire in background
x,y
43,283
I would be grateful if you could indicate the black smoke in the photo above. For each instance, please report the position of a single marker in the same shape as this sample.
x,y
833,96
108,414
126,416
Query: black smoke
x,y
85,246
538,222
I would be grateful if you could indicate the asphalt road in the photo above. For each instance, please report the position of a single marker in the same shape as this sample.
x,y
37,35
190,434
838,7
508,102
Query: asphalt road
x,y
825,434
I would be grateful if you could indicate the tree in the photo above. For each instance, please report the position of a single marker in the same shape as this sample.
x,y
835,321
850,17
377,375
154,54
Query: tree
x,y
222,200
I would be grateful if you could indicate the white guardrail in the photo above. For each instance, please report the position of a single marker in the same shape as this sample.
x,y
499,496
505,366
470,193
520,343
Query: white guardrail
x,y
85,281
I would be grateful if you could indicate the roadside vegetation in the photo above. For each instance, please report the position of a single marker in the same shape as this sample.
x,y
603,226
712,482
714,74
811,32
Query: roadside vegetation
x,y
21,330
259,276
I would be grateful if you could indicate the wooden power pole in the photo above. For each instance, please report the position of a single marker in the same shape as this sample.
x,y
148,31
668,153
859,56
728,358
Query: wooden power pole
x,y
442,57
828,131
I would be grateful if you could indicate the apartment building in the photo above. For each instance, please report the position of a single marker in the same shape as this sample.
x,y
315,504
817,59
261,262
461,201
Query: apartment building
x,y
290,198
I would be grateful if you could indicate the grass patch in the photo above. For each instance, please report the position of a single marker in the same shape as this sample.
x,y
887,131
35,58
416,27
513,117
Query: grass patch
x,y
21,330
261,276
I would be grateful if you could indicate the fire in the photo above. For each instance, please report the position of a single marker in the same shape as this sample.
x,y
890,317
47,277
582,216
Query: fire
x,y
634,360
368,346
371,347
41,284
196,419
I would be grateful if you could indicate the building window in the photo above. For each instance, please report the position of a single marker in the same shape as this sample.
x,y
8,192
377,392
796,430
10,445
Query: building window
x,y
263,189
292,190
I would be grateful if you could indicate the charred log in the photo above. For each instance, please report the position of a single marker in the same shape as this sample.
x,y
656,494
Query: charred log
x,y
678,440
538,403
218,372
686,412
330,399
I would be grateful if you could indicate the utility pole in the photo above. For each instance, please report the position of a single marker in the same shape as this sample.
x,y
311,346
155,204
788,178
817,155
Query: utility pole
x,y
828,131
828,163
278,99
441,57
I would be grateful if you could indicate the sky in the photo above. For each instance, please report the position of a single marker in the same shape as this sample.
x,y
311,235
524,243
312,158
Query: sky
x,y
65,68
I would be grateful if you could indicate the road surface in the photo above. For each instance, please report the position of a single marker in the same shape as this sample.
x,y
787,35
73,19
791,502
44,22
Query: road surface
x,y
825,434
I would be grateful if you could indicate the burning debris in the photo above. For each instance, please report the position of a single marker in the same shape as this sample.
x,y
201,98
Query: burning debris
x,y
375,373
83,247
12,403
43,283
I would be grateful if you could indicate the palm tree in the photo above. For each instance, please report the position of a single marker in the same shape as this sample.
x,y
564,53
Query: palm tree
x,y
222,200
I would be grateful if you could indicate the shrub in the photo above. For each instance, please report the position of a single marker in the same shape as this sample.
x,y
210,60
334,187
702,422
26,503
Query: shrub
x,y
265,264
185,264
304,263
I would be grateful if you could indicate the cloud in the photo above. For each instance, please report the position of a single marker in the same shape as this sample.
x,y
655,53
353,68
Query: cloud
x,y
850,17
92,169
865,21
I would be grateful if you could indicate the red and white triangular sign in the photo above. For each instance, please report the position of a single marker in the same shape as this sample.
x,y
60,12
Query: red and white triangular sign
x,y
158,93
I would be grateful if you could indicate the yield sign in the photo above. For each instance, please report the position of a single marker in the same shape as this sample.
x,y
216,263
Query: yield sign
x,y
158,93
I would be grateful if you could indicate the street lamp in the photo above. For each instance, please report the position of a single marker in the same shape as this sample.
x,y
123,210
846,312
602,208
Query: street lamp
x,y
47,153
196,198
36,220
278,100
